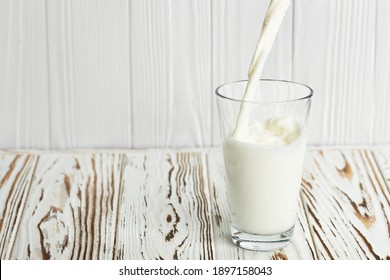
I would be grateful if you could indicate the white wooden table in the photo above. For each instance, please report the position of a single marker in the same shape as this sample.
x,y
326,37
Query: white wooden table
x,y
171,204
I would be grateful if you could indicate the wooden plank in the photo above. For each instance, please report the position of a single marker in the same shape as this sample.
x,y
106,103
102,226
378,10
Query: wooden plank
x,y
347,204
334,53
382,157
16,171
72,208
301,247
191,98
24,90
236,27
89,71
165,210
381,96
170,72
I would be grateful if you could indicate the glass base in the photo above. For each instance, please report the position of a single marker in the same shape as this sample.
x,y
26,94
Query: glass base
x,y
258,242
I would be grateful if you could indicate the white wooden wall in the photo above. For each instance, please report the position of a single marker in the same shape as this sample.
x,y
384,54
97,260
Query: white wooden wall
x,y
141,73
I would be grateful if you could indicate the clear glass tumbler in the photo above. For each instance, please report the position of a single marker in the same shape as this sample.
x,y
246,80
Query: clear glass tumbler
x,y
263,159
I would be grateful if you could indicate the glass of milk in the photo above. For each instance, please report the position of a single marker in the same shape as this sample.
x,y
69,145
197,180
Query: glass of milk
x,y
264,161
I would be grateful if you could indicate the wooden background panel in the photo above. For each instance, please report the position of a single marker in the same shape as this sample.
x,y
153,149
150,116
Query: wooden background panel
x,y
151,71
347,204
16,173
72,208
381,96
24,91
301,247
334,53
170,72
135,73
165,211
88,52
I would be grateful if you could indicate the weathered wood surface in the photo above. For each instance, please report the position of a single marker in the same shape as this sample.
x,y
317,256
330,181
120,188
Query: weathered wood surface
x,y
347,204
71,209
168,204
165,207
15,182
382,156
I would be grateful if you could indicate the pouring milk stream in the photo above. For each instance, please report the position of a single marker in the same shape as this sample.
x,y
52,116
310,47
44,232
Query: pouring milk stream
x,y
273,19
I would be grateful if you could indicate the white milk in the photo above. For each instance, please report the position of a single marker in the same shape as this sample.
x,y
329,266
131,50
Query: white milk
x,y
264,170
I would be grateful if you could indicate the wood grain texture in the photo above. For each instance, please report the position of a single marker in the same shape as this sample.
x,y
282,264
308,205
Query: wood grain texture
x,y
170,204
301,247
347,204
382,157
170,72
71,209
88,52
24,92
136,73
165,210
334,53
381,96
16,172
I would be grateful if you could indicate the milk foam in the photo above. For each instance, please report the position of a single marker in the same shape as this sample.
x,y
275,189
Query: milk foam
x,y
279,131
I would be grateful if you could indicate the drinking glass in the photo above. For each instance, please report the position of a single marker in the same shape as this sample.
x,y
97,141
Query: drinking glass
x,y
263,179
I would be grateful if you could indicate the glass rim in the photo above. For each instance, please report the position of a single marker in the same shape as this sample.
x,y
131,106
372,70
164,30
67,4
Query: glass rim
x,y
305,97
